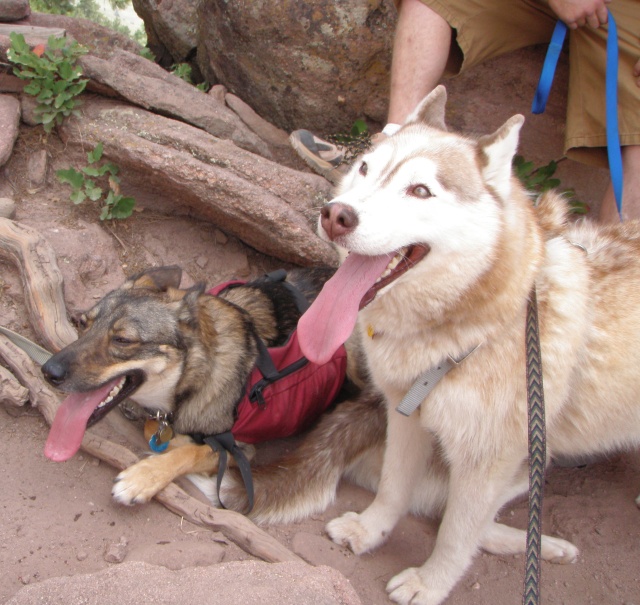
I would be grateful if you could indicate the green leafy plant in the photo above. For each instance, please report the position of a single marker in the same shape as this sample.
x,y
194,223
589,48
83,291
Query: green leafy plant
x,y
54,78
98,181
541,179
184,71
355,142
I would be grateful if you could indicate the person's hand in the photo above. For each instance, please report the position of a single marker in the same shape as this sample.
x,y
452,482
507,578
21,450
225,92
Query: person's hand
x,y
577,13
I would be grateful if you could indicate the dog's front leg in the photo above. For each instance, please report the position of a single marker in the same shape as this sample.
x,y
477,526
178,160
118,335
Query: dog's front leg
x,y
473,501
405,458
143,480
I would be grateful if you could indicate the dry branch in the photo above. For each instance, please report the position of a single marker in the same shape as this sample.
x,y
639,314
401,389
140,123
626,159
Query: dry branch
x,y
41,280
11,391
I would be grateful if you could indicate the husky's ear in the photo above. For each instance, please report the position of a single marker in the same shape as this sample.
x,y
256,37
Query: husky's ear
x,y
496,153
157,278
431,109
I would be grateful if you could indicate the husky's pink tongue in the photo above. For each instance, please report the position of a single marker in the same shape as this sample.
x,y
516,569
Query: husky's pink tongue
x,y
332,316
70,422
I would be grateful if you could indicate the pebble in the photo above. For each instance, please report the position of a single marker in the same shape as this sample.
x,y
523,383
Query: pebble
x,y
7,208
116,552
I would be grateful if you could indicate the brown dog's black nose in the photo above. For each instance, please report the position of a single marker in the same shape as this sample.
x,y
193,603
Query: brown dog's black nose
x,y
338,219
54,371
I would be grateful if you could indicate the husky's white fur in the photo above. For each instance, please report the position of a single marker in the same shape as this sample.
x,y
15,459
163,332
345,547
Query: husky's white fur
x,y
488,247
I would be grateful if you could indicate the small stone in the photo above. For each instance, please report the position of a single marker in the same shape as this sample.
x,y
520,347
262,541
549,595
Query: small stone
x,y
218,92
116,552
38,163
220,237
202,261
81,555
7,208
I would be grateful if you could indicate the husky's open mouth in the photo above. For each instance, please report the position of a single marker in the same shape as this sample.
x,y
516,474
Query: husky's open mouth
x,y
331,318
81,410
403,260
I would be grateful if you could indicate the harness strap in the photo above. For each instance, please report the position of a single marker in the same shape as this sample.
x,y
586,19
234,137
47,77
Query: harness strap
x,y
223,443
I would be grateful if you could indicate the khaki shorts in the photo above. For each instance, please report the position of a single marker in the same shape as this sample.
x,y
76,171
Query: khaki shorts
x,y
487,28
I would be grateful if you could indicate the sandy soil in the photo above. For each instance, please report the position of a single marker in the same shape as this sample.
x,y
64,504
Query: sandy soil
x,y
59,519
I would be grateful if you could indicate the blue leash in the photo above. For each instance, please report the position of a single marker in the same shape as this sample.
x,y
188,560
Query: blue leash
x,y
611,90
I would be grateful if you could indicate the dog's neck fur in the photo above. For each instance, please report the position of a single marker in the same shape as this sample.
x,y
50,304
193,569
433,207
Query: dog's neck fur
x,y
240,310
458,314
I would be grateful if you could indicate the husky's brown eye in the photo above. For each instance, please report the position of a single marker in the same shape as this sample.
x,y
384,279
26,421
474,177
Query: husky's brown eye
x,y
121,340
363,169
421,191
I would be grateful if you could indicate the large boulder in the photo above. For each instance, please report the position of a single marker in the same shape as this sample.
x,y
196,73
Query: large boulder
x,y
171,27
315,64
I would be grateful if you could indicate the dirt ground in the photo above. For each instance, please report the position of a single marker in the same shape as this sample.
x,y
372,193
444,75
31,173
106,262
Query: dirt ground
x,y
59,519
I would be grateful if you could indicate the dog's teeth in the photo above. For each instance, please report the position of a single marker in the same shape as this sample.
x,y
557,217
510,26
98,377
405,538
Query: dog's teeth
x,y
112,393
395,261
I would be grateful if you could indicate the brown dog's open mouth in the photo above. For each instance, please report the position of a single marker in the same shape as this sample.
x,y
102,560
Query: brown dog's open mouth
x,y
404,260
80,410
126,386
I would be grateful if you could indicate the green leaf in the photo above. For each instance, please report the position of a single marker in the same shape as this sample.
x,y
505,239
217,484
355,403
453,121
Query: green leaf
x,y
106,213
65,70
18,42
71,177
123,207
77,197
96,154
33,88
111,168
359,127
93,193
92,171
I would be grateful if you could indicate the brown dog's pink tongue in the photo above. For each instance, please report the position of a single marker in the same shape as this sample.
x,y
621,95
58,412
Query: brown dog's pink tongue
x,y
332,316
70,422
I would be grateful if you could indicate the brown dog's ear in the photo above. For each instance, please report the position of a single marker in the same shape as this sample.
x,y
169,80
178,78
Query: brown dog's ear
x,y
157,278
431,109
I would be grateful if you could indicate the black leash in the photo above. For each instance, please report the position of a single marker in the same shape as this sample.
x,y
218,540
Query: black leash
x,y
537,454
223,443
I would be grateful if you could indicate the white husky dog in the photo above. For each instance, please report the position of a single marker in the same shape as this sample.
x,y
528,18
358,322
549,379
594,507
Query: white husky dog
x,y
459,246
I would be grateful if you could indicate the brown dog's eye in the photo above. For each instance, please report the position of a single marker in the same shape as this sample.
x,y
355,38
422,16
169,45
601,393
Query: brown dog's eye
x,y
421,191
363,169
121,340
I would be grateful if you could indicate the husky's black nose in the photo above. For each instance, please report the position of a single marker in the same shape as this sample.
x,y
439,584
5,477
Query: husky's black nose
x,y
338,219
54,371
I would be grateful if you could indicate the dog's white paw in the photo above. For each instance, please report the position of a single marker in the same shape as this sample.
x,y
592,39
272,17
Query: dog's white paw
x,y
409,587
557,550
139,483
349,530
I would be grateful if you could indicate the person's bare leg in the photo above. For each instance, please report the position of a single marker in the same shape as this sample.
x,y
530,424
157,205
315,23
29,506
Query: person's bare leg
x,y
631,189
420,52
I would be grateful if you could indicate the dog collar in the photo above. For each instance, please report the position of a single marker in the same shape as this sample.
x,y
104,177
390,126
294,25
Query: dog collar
x,y
427,381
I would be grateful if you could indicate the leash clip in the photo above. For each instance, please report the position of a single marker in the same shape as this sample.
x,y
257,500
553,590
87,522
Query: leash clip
x,y
159,441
